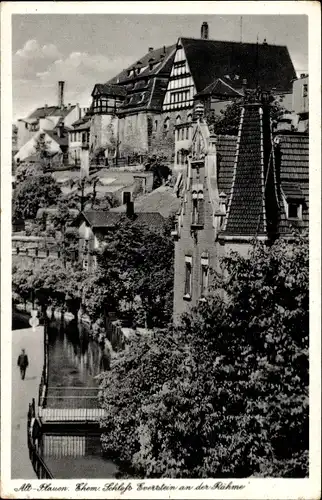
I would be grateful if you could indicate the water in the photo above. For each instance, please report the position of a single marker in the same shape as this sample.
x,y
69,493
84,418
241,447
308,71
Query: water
x,y
76,455
74,362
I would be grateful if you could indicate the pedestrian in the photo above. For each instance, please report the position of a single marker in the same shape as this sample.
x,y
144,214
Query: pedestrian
x,y
23,363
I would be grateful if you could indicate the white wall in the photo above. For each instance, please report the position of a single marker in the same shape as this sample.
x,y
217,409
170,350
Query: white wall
x,y
29,148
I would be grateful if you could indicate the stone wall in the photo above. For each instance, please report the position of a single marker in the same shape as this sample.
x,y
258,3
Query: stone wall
x,y
103,134
133,134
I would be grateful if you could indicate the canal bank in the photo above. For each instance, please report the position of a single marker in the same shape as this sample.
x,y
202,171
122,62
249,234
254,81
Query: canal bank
x,y
74,361
22,393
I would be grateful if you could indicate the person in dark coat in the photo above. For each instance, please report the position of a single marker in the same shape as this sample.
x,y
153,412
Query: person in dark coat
x,y
23,363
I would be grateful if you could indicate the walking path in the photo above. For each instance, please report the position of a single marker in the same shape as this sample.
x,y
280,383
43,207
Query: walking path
x,y
22,393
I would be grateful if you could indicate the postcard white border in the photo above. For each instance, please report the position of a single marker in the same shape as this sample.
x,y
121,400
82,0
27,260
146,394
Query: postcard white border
x,y
254,488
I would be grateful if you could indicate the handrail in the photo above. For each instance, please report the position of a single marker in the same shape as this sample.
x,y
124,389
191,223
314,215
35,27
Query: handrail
x,y
43,386
39,466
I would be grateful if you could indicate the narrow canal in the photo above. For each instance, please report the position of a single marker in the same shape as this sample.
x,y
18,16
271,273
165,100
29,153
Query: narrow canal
x,y
74,361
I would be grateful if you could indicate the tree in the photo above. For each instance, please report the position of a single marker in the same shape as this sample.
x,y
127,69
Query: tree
x,y
226,393
35,192
227,121
134,253
50,284
161,172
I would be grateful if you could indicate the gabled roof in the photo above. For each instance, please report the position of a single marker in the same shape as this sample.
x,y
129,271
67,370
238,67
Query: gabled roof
x,y
161,64
109,89
162,200
107,219
42,112
222,87
146,90
53,134
292,158
45,111
268,66
245,215
81,124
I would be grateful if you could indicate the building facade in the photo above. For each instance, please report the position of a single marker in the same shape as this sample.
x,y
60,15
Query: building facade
x,y
50,122
159,90
235,189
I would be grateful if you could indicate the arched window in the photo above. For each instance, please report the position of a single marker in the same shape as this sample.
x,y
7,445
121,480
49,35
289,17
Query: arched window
x,y
166,124
189,118
178,120
156,125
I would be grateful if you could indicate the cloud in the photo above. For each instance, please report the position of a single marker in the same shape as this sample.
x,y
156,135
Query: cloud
x,y
37,69
32,58
32,50
81,71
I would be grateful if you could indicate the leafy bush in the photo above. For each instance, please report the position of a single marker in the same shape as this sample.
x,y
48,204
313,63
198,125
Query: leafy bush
x,y
226,393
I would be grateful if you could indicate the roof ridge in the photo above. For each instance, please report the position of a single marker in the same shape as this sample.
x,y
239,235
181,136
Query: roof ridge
x,y
231,41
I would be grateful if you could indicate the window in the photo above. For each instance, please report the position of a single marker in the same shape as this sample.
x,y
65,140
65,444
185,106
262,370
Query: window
x,y
204,276
188,277
85,255
166,124
189,117
156,125
178,120
187,132
294,210
179,97
197,215
305,89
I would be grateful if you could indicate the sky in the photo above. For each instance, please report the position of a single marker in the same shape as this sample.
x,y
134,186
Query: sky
x,y
86,49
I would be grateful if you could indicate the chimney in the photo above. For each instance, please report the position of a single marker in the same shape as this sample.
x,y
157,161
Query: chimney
x,y
61,94
264,41
130,209
164,49
151,49
79,111
60,129
129,204
204,31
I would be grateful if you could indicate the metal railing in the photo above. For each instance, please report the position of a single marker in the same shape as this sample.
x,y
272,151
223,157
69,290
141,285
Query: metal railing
x,y
33,430
71,404
43,386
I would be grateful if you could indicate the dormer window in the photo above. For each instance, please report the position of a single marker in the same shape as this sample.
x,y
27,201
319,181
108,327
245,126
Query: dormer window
x,y
293,200
294,210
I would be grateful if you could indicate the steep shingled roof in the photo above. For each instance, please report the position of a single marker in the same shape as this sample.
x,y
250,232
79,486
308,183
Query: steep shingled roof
x,y
226,152
53,134
292,159
271,65
159,57
245,215
45,111
110,89
222,87
147,89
